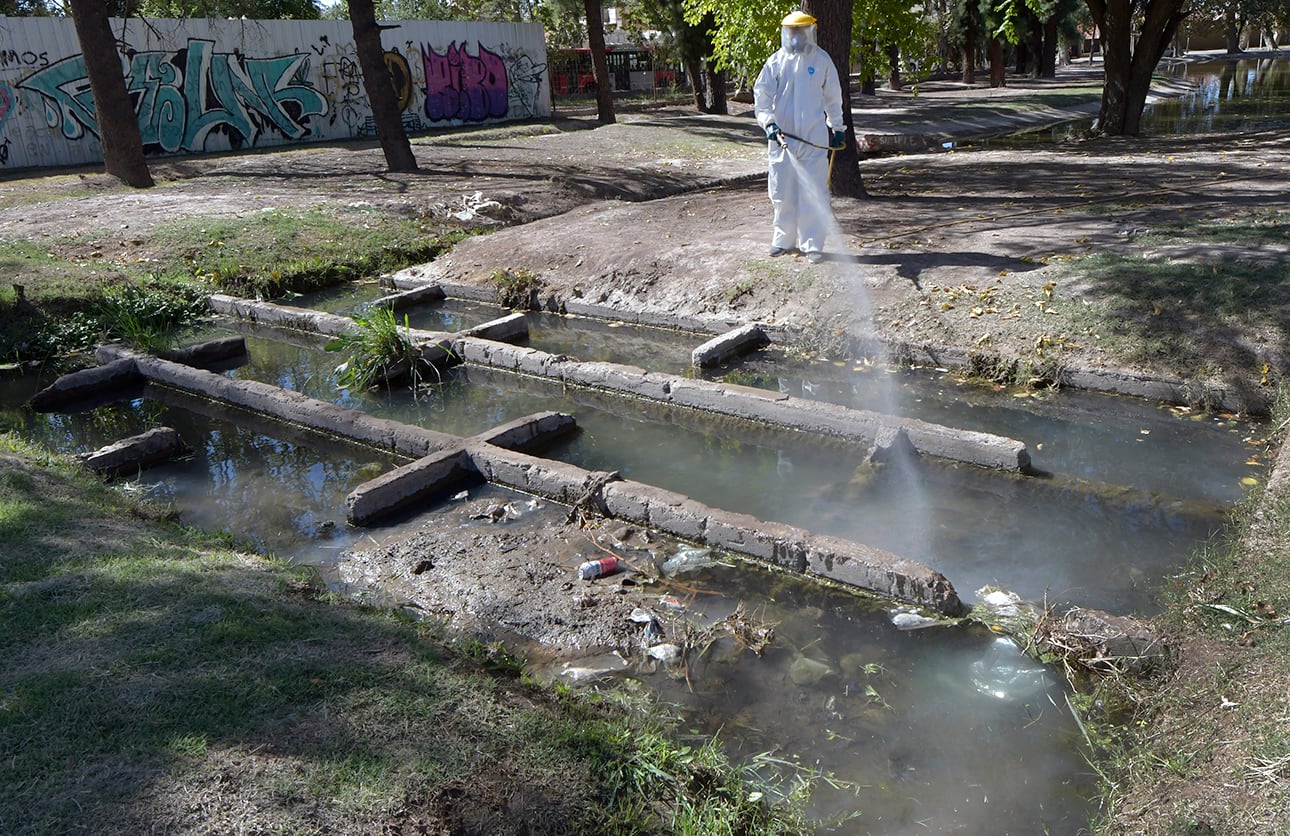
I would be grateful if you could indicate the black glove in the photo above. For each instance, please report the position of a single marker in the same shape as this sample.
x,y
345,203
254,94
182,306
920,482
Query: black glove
x,y
837,139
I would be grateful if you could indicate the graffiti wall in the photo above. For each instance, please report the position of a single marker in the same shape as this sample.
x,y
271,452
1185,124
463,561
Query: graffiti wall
x,y
203,86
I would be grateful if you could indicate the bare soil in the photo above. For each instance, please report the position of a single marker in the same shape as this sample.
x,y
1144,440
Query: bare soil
x,y
962,253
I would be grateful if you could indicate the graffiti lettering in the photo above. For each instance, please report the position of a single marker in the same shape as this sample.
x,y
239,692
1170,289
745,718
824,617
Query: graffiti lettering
x,y
183,97
401,75
461,87
14,58
4,152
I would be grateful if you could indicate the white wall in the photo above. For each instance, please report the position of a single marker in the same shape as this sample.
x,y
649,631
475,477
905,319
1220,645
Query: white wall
x,y
218,85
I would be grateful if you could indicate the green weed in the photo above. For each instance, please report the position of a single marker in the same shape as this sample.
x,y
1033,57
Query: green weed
x,y
515,288
378,352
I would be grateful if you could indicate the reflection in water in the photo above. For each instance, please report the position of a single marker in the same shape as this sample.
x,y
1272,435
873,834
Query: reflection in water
x,y
1058,537
925,730
1240,95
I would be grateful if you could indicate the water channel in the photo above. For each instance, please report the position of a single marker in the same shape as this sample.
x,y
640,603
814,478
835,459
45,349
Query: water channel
x,y
945,728
904,719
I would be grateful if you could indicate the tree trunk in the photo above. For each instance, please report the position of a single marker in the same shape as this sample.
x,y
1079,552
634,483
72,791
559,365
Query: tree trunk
x,y
969,43
1127,66
694,69
599,64
998,70
715,82
893,67
1048,52
1232,30
834,35
379,86
118,124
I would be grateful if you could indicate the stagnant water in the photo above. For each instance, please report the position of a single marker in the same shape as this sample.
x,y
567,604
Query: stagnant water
x,y
930,730
1250,94
912,724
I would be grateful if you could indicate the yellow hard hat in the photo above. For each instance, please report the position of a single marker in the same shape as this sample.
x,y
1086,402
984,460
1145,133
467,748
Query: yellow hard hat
x,y
798,19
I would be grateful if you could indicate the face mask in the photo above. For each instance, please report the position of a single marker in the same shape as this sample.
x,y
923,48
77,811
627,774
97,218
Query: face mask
x,y
796,44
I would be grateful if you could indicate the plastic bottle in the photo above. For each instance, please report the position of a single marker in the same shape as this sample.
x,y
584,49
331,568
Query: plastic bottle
x,y
599,568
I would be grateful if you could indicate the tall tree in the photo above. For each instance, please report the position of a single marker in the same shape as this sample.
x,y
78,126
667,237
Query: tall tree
x,y
118,124
833,32
380,87
599,64
1127,64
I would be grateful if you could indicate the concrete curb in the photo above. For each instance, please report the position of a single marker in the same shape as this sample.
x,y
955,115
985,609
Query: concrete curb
x,y
732,401
443,460
775,544
756,405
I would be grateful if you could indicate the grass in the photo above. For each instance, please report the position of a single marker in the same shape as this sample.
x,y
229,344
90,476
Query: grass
x,y
73,292
150,671
1205,746
378,352
261,254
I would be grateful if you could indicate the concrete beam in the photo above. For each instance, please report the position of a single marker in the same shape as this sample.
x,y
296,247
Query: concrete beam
x,y
783,411
294,407
86,383
730,344
130,455
772,543
505,329
397,489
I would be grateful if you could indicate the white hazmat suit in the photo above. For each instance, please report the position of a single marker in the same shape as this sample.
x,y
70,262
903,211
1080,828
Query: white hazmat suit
x,y
798,101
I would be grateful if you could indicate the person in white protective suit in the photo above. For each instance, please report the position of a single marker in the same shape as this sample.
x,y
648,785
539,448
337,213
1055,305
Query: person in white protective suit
x,y
798,102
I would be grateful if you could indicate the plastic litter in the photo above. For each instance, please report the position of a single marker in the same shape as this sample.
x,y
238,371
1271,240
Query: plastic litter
x,y
665,653
903,620
594,667
686,561
1005,673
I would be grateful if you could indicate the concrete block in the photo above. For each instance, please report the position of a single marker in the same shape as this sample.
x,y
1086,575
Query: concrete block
x,y
209,353
79,385
730,344
529,431
137,452
398,489
507,329
412,297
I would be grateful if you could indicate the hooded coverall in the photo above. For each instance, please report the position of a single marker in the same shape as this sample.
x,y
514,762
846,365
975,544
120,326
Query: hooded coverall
x,y
798,90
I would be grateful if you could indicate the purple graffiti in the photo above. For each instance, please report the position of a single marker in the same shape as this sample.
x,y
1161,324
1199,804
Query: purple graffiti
x,y
6,104
461,87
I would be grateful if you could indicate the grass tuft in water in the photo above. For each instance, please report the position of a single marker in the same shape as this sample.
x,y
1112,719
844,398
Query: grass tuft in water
x,y
379,352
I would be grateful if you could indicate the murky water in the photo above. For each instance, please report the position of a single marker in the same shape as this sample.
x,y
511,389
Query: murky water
x,y
900,719
1066,537
1245,95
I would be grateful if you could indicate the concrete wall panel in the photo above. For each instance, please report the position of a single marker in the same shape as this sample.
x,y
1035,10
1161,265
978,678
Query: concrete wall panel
x,y
212,85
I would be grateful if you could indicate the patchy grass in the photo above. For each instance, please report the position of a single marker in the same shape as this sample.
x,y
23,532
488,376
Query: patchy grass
x,y
157,678
1206,748
69,284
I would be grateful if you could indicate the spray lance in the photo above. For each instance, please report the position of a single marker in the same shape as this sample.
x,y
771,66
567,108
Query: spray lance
x,y
837,141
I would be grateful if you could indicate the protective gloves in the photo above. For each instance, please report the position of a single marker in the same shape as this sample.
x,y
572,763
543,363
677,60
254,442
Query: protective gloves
x,y
837,139
774,134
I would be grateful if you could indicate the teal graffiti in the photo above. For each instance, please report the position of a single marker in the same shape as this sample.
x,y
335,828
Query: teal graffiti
x,y
182,97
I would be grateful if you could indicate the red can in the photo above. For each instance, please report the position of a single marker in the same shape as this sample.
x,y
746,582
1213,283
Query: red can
x,y
599,568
